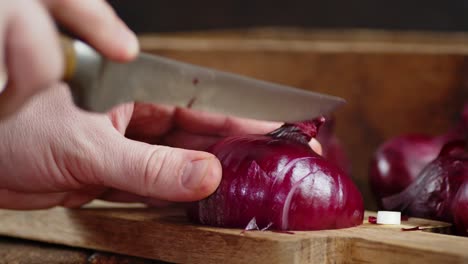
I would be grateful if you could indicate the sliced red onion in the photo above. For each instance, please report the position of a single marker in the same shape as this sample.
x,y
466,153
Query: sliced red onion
x,y
277,178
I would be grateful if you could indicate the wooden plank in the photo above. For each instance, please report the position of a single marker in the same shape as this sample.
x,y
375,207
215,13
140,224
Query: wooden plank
x,y
394,82
30,252
19,251
301,40
166,235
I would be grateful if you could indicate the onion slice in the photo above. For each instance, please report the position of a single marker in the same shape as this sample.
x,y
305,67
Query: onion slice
x,y
388,218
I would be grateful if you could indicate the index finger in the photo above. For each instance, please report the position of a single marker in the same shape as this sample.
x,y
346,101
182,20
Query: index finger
x,y
211,124
96,22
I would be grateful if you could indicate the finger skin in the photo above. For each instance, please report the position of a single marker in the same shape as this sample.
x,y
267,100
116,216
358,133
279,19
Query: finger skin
x,y
184,139
62,148
24,201
220,125
96,23
32,201
30,52
149,122
32,58
187,128
113,195
160,172
316,146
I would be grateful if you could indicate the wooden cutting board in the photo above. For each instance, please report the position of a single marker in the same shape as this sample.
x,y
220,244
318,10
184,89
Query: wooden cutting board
x,y
166,235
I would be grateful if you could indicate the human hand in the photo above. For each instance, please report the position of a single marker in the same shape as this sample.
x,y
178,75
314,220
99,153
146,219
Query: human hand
x,y
30,54
56,154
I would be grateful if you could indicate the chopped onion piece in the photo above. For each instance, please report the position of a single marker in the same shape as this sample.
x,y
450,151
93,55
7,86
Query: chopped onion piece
x,y
372,219
388,218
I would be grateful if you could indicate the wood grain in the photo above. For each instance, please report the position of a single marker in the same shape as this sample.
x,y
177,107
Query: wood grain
x,y
21,251
165,234
394,82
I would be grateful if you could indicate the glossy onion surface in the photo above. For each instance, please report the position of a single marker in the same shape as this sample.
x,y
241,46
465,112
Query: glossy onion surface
x,y
399,161
432,194
279,180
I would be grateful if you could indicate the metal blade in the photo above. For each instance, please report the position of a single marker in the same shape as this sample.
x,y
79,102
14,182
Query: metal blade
x,y
164,81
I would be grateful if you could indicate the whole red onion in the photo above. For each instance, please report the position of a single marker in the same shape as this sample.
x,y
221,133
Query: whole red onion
x,y
432,193
460,210
398,162
278,179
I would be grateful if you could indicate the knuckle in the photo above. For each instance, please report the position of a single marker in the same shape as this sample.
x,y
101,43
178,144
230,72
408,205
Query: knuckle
x,y
59,4
163,172
154,170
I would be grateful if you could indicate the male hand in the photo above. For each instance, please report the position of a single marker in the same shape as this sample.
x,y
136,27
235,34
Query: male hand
x,y
56,154
30,53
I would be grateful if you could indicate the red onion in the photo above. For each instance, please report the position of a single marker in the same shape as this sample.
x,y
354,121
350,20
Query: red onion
x,y
460,210
432,193
332,150
278,179
398,162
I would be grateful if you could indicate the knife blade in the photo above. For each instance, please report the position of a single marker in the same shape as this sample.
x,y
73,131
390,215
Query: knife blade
x,y
98,84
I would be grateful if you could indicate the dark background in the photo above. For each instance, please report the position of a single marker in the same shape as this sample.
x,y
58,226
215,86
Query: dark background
x,y
180,15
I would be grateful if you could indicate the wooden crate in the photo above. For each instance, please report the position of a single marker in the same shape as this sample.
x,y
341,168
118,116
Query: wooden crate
x,y
394,82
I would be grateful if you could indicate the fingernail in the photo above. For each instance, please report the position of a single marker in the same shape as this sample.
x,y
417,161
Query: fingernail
x,y
131,42
195,172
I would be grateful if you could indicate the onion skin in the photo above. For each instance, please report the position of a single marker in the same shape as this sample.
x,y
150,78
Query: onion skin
x,y
279,180
432,194
399,161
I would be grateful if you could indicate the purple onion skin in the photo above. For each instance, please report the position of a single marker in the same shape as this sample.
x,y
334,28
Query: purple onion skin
x,y
432,194
278,179
460,210
399,161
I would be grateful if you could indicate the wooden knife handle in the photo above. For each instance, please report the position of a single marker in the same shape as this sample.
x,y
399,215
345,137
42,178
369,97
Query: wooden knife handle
x,y
69,56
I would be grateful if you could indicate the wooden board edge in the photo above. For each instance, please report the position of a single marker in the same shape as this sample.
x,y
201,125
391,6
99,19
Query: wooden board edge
x,y
132,233
131,237
300,40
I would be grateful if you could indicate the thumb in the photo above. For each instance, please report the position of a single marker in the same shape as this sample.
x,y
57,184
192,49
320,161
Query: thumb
x,y
160,172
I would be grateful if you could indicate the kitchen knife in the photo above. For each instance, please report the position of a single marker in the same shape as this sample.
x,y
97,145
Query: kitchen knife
x,y
98,84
